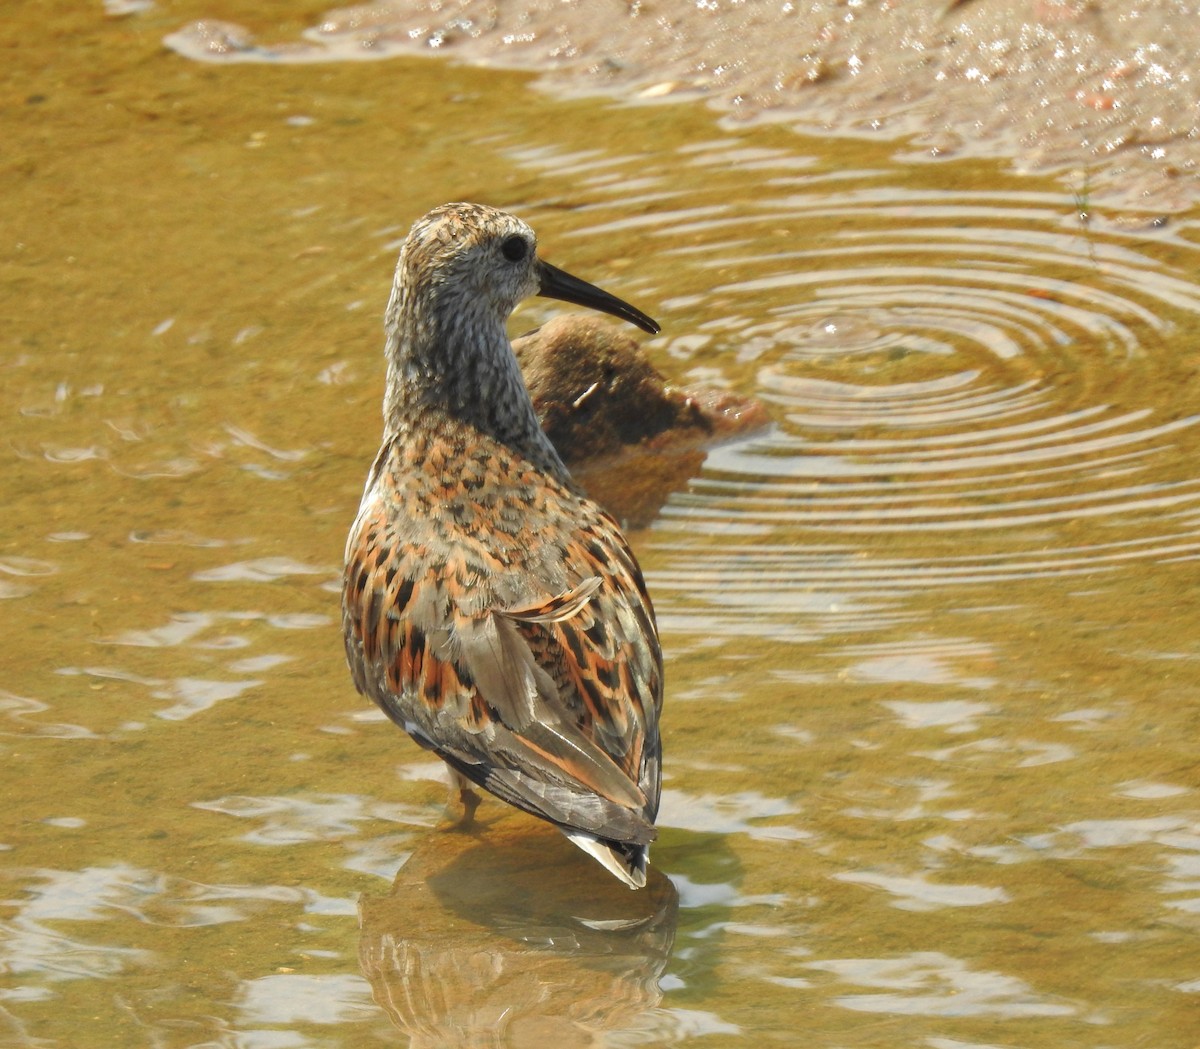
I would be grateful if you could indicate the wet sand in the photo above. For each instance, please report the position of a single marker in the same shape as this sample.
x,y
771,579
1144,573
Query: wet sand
x,y
1100,94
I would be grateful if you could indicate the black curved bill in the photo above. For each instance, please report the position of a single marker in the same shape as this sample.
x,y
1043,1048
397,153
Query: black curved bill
x,y
558,284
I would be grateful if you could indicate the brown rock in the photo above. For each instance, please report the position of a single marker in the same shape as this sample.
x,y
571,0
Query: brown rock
x,y
601,403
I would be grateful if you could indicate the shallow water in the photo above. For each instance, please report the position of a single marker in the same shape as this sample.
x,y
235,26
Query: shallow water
x,y
933,687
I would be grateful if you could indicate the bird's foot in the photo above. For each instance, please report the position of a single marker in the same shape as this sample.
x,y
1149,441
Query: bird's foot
x,y
461,806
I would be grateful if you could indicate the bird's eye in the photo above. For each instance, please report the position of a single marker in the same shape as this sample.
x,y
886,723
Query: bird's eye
x,y
514,248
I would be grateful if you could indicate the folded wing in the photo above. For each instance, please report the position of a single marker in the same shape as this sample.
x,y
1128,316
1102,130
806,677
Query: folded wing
x,y
551,703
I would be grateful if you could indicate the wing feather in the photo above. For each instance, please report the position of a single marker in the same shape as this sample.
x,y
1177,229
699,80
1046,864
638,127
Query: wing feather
x,y
550,701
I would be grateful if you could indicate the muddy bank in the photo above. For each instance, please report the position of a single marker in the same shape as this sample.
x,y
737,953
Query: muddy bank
x,y
1102,94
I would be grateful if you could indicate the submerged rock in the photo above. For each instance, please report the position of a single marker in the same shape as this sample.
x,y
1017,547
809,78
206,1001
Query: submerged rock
x,y
628,437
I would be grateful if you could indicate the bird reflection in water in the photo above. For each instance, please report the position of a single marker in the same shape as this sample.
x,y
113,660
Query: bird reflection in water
x,y
504,938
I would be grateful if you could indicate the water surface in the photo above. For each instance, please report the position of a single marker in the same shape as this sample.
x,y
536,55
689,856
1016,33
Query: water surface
x,y
931,638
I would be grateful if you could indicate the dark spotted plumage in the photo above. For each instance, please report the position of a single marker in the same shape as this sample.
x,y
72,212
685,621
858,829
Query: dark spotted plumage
x,y
489,607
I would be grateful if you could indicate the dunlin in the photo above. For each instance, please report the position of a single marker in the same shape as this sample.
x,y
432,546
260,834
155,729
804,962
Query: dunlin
x,y
492,610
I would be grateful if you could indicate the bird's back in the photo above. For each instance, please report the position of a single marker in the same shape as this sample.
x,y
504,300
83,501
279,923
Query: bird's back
x,y
499,616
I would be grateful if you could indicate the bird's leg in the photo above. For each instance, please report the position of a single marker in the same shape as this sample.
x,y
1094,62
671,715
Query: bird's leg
x,y
462,793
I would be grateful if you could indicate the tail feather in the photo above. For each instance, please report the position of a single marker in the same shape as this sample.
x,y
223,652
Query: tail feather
x,y
626,861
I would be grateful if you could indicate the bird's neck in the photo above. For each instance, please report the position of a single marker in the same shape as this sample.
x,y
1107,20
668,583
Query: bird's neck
x,y
463,369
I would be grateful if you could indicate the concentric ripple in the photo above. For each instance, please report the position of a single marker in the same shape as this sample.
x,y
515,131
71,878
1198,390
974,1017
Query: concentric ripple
x,y
968,385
